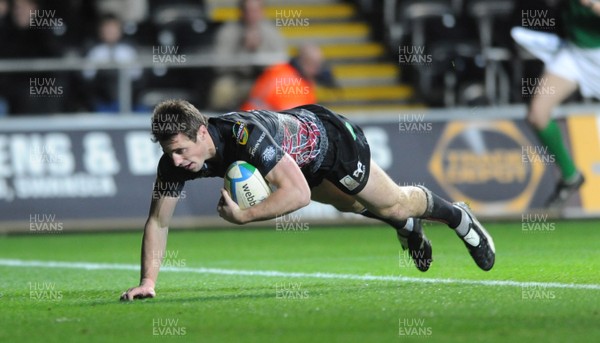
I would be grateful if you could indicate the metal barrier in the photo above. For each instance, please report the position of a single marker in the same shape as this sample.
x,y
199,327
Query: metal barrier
x,y
145,61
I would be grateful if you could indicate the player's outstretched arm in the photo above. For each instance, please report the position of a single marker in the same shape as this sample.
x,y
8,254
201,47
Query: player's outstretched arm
x,y
153,247
292,193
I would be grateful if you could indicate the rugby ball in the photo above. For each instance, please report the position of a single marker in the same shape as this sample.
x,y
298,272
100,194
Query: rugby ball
x,y
245,184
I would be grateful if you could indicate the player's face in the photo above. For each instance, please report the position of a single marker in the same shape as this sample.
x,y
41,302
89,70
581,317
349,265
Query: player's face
x,y
186,153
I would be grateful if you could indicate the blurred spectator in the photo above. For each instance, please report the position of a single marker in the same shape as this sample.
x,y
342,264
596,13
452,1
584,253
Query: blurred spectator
x,y
250,35
25,39
4,26
111,48
130,12
4,14
29,34
79,21
570,64
292,84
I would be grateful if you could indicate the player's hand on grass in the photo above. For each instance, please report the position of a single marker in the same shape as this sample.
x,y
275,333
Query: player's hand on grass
x,y
144,290
229,210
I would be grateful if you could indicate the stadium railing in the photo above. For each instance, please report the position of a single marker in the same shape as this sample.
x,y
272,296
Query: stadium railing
x,y
146,61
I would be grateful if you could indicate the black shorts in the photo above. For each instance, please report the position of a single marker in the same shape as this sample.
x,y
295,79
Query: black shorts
x,y
348,158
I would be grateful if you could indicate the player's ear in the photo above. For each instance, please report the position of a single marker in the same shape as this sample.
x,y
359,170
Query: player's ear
x,y
202,131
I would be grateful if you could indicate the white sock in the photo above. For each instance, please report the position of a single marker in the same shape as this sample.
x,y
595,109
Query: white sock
x,y
462,230
409,225
572,179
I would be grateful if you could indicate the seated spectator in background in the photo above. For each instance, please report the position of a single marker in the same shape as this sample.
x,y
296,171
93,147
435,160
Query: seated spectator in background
x,y
25,36
4,26
79,19
292,84
24,39
111,48
252,34
130,12
4,15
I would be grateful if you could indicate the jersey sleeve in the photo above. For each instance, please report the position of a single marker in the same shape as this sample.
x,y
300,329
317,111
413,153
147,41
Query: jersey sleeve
x,y
169,179
260,149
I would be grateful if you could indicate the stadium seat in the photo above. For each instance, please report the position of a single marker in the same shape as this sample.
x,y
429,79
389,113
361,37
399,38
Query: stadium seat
x,y
181,24
454,63
409,18
413,24
497,80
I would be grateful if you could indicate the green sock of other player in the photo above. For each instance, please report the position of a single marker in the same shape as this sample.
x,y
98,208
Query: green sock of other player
x,y
552,138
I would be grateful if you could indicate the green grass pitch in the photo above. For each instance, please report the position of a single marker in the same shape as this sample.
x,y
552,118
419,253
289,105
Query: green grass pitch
x,y
235,298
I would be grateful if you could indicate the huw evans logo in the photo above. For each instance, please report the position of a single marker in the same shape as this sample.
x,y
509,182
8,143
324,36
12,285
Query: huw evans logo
x,y
406,261
537,292
536,86
536,222
167,123
413,327
45,222
413,55
45,155
290,223
167,54
167,327
44,87
168,258
163,189
44,19
413,123
290,291
537,19
537,154
290,86
44,291
290,17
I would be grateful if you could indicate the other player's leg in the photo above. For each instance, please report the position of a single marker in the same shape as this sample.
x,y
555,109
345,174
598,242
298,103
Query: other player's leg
x,y
539,116
386,199
409,231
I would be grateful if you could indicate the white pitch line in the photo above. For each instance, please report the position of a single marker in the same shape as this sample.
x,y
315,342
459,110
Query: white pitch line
x,y
269,273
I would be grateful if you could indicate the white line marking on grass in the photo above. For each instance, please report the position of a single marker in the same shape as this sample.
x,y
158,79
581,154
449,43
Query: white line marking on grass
x,y
268,273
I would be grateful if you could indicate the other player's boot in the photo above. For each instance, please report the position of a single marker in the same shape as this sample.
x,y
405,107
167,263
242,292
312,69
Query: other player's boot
x,y
564,190
419,247
478,241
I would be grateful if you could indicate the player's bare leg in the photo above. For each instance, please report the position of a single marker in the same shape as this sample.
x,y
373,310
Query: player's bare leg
x,y
386,199
409,231
328,193
539,116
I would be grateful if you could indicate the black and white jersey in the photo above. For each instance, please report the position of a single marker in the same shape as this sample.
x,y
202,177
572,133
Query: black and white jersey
x,y
260,138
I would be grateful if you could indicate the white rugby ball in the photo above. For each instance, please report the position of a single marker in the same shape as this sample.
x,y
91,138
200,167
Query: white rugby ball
x,y
245,184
